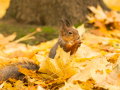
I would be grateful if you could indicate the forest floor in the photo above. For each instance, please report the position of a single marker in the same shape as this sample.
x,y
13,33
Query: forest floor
x,y
8,27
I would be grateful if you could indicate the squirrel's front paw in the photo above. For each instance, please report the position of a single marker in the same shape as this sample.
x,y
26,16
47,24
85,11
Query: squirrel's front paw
x,y
78,42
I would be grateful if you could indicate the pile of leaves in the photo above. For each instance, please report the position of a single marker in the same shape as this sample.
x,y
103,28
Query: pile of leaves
x,y
95,66
107,23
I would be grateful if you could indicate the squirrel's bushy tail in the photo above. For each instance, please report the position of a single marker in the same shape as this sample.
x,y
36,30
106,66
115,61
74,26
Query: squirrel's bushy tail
x,y
11,71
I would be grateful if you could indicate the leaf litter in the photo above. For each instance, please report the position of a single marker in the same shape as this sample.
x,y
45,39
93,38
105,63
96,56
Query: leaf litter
x,y
95,66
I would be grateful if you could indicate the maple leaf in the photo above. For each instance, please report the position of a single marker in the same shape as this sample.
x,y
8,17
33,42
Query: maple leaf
x,y
85,52
59,66
113,4
106,19
99,13
93,69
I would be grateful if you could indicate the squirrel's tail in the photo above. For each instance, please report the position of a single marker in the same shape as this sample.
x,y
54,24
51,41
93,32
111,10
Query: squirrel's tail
x,y
11,71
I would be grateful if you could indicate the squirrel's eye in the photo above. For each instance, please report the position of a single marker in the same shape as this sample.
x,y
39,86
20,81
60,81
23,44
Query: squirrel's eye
x,y
70,32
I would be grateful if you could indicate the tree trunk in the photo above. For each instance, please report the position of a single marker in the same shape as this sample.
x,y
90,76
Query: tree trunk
x,y
49,12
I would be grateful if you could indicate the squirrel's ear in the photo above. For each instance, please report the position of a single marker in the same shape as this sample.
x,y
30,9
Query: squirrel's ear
x,y
63,25
67,23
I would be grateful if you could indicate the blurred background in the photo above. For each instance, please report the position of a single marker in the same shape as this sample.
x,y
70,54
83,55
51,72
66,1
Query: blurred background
x,y
24,16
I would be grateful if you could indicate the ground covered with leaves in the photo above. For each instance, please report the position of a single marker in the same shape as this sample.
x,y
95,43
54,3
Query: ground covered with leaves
x,y
95,66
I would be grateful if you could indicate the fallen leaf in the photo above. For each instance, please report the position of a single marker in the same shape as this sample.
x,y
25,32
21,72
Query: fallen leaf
x,y
81,30
4,4
113,4
99,13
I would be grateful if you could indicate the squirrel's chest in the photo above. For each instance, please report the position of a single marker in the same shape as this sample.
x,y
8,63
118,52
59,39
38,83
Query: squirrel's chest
x,y
67,47
70,48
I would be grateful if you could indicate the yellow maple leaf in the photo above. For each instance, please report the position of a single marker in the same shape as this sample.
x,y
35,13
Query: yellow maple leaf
x,y
95,69
99,13
113,4
59,66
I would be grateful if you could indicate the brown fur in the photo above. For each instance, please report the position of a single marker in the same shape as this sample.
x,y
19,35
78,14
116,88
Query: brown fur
x,y
72,48
11,70
69,42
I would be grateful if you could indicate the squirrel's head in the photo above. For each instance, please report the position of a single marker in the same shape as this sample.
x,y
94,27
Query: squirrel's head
x,y
68,33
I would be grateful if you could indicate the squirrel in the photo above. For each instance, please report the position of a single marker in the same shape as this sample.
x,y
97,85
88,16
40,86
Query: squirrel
x,y
69,40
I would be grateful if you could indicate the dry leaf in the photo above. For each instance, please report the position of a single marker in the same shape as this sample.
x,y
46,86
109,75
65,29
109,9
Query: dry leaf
x,y
99,13
81,30
4,4
113,4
